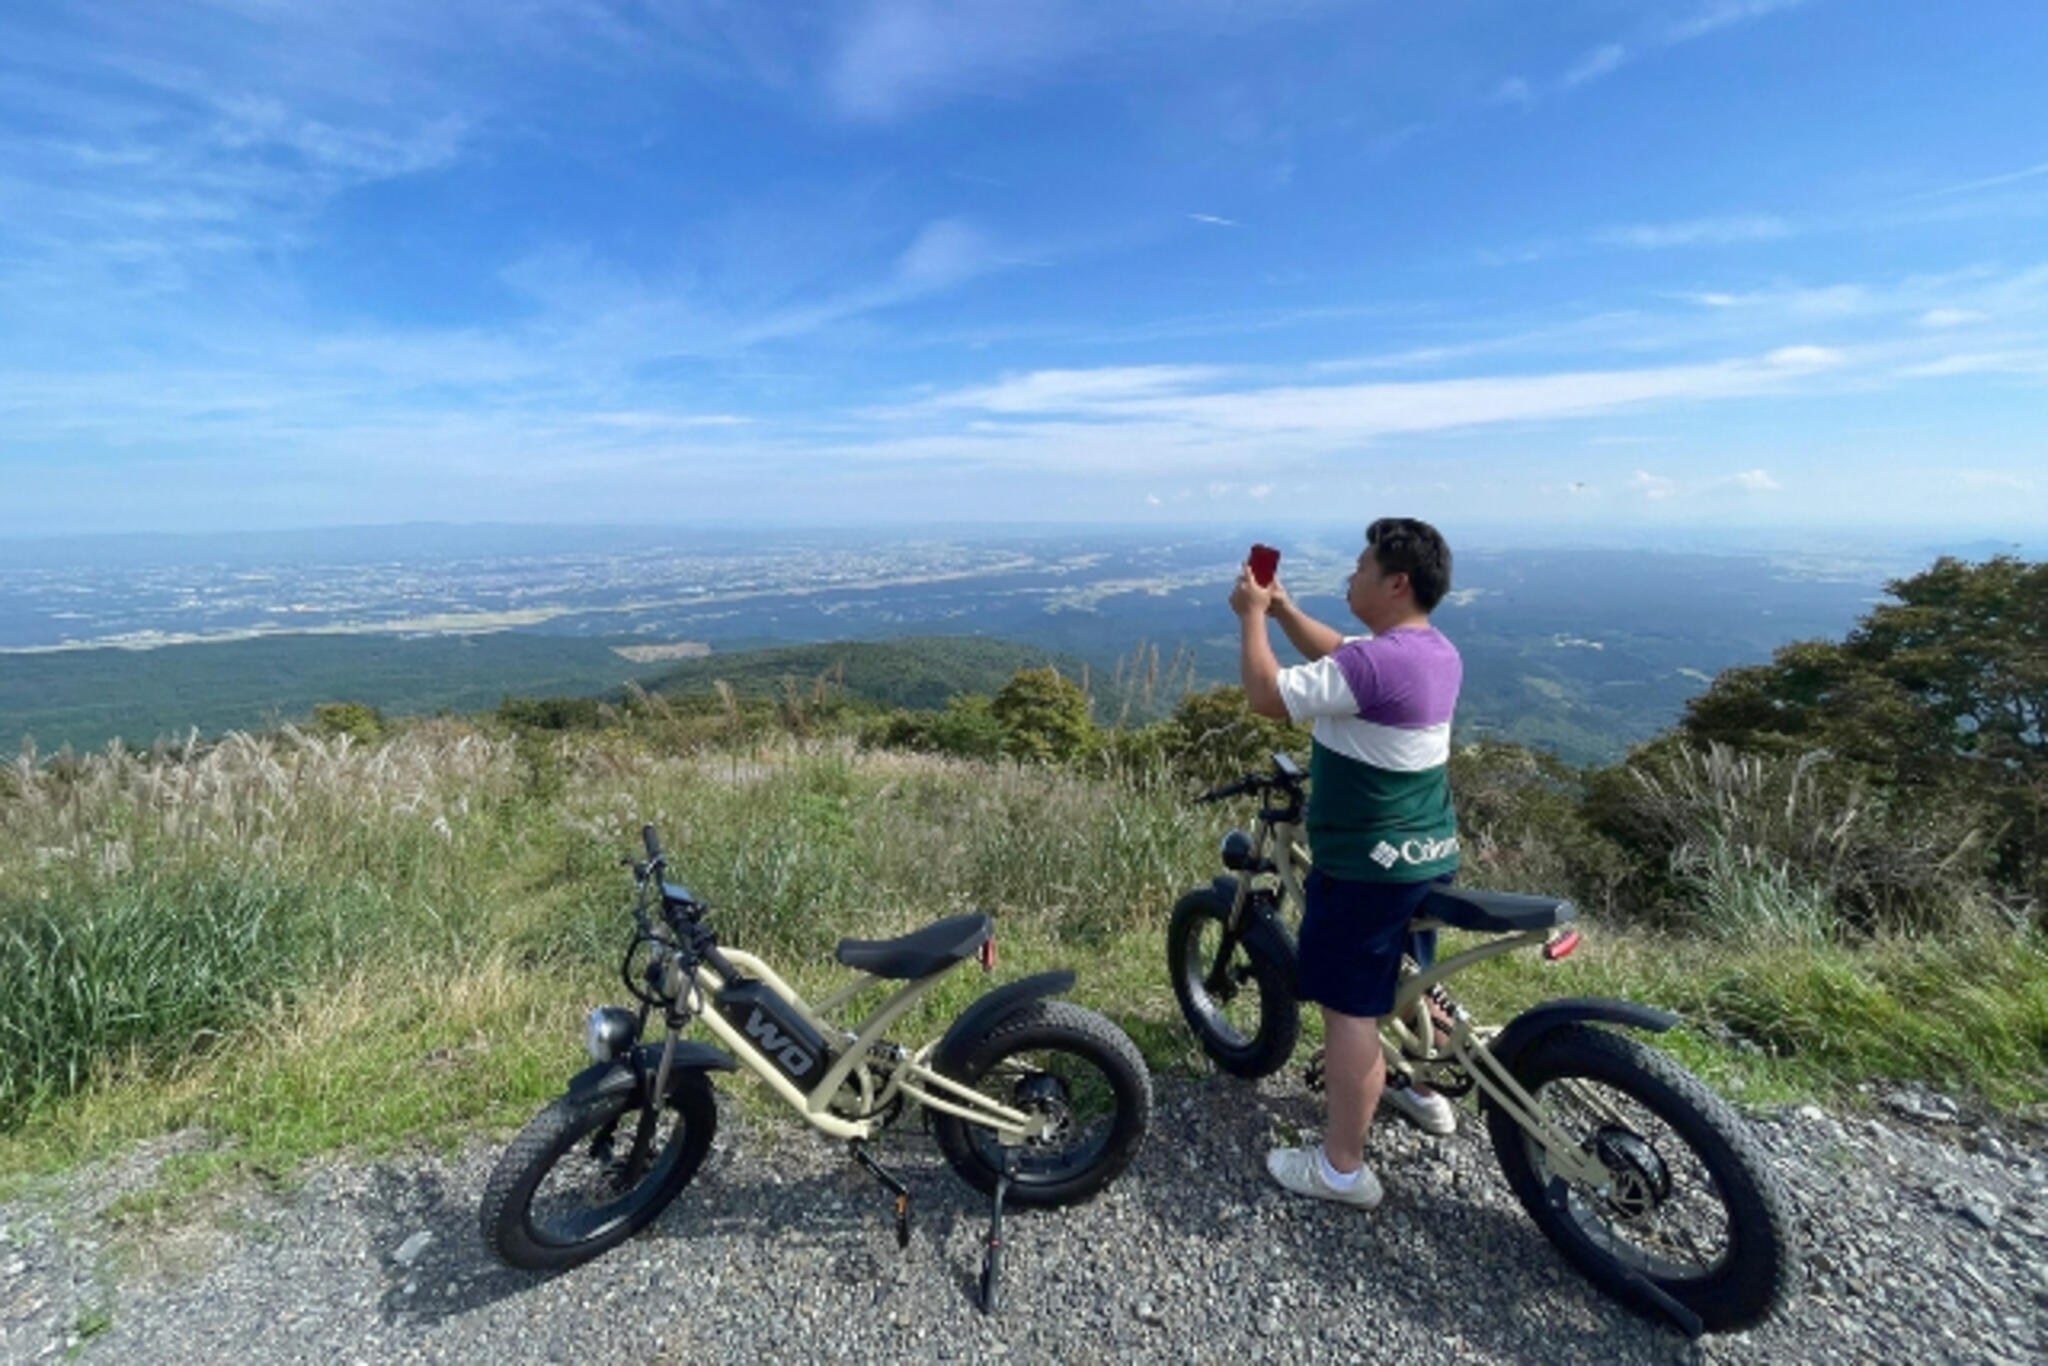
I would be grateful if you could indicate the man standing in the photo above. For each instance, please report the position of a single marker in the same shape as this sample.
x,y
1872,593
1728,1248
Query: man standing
x,y
1381,828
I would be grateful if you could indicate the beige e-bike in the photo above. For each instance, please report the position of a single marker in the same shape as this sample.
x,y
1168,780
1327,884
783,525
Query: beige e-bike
x,y
1034,1101
1648,1181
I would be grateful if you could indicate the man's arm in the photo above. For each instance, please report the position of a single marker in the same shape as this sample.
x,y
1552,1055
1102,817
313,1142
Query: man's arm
x,y
1307,635
1257,666
1259,669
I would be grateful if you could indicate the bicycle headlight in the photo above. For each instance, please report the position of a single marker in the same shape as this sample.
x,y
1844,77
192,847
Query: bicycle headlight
x,y
1237,850
610,1031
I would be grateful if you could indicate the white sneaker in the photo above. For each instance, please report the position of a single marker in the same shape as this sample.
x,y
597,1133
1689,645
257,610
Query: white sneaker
x,y
1301,1171
1431,1113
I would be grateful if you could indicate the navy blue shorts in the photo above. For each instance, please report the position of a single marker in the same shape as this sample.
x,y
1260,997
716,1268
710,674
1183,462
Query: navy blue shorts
x,y
1352,937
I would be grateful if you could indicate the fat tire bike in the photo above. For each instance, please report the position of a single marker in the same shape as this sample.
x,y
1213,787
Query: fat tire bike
x,y
1647,1181
1034,1101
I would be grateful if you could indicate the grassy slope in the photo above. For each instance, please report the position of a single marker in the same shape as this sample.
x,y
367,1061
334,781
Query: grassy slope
x,y
443,923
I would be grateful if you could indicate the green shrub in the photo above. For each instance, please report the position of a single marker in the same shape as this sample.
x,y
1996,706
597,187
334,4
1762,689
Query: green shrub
x,y
1044,717
1714,831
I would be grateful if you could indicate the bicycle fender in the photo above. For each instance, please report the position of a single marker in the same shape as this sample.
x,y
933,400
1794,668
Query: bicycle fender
x,y
1533,1023
990,1011
624,1073
1265,934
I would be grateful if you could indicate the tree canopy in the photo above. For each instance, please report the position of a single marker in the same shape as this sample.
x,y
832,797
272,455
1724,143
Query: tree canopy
x,y
1941,695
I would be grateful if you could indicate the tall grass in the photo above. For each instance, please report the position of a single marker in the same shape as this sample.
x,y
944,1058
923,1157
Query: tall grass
x,y
1752,844
303,942
155,901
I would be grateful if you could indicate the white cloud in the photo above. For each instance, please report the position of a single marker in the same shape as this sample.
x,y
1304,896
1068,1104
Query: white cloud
x,y
896,57
1259,491
944,252
1213,220
1653,486
1513,90
1154,500
1981,363
1995,479
1988,182
1752,481
1596,64
1696,232
1723,14
1152,418
1053,391
1950,317
1804,357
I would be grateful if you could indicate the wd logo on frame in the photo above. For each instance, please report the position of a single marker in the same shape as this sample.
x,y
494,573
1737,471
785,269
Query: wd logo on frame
x,y
1413,851
786,1050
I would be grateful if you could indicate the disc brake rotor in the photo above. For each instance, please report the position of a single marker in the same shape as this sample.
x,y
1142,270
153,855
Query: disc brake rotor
x,y
1641,1181
1045,1094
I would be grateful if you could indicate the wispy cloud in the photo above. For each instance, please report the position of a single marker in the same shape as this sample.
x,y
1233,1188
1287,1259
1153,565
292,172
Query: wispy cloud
x,y
1987,183
1661,487
2033,361
1738,228
1724,14
1610,57
1995,479
1164,417
1595,64
1213,220
893,58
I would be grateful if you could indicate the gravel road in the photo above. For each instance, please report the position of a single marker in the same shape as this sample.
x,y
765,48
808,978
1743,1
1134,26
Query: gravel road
x,y
1926,1235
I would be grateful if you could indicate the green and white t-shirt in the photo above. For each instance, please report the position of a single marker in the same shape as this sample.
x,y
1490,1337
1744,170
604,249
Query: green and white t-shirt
x,y
1379,805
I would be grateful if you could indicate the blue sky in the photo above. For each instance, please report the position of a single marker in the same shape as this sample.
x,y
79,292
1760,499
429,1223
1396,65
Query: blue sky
x,y
1603,262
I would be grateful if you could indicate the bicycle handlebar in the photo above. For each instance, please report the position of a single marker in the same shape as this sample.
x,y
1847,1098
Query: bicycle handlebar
x,y
653,843
1285,778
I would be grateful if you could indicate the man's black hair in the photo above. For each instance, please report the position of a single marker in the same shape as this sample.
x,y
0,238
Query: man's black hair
x,y
1403,545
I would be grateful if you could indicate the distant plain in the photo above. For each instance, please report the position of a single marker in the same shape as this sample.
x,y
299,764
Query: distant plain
x,y
1583,649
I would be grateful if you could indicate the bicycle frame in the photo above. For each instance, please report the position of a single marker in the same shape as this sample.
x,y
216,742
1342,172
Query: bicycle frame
x,y
906,1075
1280,847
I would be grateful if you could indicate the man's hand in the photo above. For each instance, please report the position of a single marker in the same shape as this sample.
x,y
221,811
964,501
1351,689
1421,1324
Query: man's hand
x,y
1248,599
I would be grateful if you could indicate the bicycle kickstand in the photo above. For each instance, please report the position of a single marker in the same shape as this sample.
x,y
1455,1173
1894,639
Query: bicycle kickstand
x,y
992,1257
896,1188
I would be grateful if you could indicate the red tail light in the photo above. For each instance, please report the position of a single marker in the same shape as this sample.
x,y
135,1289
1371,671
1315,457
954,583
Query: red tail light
x,y
988,953
1562,946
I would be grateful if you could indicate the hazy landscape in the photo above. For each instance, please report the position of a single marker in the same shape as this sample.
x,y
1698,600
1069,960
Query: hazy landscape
x,y
1581,649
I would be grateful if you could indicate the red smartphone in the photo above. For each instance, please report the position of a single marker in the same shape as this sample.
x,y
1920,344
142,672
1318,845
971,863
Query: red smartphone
x,y
1265,560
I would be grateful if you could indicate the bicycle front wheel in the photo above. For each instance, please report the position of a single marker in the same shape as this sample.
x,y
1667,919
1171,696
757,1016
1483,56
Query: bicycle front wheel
x,y
1242,1008
586,1174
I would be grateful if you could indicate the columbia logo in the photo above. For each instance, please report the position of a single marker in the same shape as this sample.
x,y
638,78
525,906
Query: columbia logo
x,y
1385,855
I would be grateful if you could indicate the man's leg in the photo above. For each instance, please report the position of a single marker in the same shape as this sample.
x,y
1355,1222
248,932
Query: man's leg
x,y
1354,1074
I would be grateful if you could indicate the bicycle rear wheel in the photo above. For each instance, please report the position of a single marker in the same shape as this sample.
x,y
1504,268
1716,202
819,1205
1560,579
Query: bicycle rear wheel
x,y
1082,1074
1690,1204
